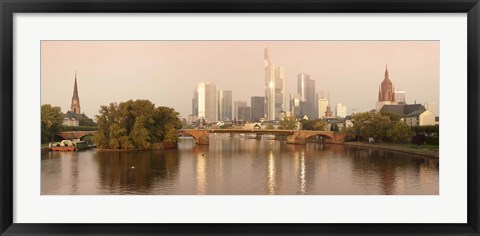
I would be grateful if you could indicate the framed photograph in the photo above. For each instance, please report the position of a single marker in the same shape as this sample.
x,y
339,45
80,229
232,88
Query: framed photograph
x,y
233,117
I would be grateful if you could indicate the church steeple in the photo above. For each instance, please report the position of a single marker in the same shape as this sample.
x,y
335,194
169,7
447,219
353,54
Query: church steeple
x,y
386,72
75,107
386,92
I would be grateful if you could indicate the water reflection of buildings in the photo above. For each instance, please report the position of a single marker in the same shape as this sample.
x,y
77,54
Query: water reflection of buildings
x,y
240,166
300,170
148,172
201,174
271,174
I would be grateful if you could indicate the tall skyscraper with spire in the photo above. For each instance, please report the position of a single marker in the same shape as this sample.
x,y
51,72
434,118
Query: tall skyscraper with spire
x,y
386,92
274,88
75,106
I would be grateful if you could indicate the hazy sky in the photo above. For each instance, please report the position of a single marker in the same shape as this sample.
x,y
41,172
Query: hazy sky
x,y
166,72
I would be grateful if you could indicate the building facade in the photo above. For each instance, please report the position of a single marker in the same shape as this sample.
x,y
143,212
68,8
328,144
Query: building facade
x,y
340,110
322,107
420,118
329,113
236,106
295,105
195,103
432,106
306,90
257,108
207,101
412,114
225,105
400,97
274,87
244,114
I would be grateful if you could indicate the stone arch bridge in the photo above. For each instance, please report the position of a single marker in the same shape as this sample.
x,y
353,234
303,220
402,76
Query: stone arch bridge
x,y
201,136
69,135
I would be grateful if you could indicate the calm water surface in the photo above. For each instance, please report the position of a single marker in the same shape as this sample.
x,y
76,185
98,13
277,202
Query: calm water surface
x,y
240,166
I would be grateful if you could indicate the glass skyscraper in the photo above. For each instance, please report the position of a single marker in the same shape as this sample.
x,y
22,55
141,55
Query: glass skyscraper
x,y
274,88
225,105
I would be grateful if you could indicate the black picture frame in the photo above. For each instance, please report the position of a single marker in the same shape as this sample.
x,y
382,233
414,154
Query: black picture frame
x,y
9,7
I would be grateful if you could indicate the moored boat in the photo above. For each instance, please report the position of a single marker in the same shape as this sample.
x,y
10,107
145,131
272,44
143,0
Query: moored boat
x,y
69,146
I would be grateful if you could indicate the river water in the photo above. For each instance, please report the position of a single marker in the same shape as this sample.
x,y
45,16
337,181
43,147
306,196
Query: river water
x,y
239,166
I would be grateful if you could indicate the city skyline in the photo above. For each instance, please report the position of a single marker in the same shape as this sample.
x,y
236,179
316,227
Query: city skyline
x,y
166,71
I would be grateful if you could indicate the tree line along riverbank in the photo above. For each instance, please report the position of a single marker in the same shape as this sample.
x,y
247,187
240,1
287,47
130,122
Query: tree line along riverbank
x,y
423,150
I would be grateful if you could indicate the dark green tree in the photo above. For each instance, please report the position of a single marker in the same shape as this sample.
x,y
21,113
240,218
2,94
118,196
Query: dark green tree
x,y
287,124
400,132
51,121
269,126
374,124
307,124
319,124
135,125
334,127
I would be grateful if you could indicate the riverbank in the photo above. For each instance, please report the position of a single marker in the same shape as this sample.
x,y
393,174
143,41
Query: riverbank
x,y
424,150
154,146
44,147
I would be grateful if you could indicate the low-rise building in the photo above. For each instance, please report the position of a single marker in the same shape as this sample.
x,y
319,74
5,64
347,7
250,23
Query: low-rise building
x,y
412,114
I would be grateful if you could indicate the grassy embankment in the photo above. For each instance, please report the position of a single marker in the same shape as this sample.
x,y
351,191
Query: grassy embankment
x,y
424,150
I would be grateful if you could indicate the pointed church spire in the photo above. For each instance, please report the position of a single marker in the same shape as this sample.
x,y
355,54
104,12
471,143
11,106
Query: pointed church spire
x,y
386,71
75,89
386,89
75,106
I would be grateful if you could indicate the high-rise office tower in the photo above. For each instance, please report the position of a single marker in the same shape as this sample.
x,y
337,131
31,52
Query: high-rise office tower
x,y
322,104
306,89
207,101
195,103
225,105
236,105
244,113
340,110
257,108
274,88
295,105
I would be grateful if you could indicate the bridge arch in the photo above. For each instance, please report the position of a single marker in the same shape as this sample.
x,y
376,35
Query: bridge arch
x,y
69,135
300,136
201,136
87,138
323,136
